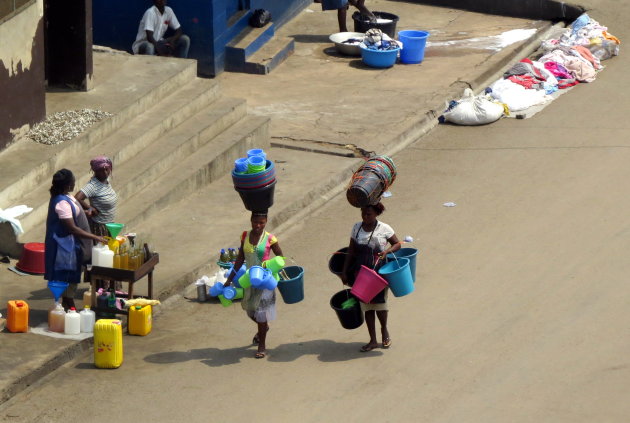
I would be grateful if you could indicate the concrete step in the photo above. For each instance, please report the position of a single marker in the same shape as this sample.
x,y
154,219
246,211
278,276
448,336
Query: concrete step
x,y
175,146
126,97
136,137
266,58
248,42
213,160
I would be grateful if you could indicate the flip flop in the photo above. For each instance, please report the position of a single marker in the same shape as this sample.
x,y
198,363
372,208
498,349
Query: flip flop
x,y
260,354
367,347
387,343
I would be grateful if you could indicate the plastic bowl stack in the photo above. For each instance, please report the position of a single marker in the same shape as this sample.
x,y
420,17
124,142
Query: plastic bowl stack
x,y
254,179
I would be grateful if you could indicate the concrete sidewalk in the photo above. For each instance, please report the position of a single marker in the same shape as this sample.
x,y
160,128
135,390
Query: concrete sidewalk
x,y
326,109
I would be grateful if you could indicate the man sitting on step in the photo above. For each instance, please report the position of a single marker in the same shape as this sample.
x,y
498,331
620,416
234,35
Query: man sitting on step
x,y
155,21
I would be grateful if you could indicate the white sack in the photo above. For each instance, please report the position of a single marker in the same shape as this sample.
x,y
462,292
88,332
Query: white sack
x,y
474,110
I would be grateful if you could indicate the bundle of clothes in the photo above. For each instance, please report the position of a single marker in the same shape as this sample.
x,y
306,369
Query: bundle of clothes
x,y
375,39
572,56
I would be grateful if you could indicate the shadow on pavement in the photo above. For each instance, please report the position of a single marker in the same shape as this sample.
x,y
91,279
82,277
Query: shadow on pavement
x,y
310,38
327,351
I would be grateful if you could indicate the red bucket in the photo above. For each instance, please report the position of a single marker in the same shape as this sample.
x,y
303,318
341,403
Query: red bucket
x,y
367,284
32,258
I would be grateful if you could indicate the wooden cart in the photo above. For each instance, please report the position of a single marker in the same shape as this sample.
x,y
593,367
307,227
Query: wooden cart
x,y
122,275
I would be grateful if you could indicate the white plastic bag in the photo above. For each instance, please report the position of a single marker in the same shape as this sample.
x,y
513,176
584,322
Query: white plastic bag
x,y
474,110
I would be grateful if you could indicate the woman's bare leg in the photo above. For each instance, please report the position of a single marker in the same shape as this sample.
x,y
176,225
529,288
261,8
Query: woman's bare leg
x,y
341,18
262,336
370,321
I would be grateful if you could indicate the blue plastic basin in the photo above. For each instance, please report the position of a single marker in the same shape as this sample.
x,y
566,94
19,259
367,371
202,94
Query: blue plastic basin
x,y
379,58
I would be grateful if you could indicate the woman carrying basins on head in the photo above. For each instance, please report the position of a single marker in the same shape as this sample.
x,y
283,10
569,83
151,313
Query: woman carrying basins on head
x,y
103,198
369,241
260,304
68,238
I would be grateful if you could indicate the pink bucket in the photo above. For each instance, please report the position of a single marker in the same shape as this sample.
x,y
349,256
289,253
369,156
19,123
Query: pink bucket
x,y
367,284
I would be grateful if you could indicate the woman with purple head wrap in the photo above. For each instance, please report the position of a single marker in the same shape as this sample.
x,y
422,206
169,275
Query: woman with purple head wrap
x,y
102,197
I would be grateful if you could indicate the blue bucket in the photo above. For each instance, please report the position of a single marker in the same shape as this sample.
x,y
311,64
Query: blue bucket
x,y
238,275
408,253
229,292
414,43
269,282
398,276
257,276
292,290
256,152
216,289
240,165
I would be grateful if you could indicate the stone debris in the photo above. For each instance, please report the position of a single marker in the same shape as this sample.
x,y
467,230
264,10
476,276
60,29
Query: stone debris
x,y
64,126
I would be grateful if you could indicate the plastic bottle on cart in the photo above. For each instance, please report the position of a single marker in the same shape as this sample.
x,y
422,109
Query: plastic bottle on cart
x,y
72,322
117,259
107,258
88,318
124,259
147,252
57,319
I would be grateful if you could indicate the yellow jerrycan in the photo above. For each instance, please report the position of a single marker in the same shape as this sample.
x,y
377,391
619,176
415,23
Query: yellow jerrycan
x,y
108,344
140,320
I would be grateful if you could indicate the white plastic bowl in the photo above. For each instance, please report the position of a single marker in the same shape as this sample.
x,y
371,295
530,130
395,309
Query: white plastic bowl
x,y
347,49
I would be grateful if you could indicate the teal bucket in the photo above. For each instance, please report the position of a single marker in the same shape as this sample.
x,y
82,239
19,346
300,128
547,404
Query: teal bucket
x,y
292,290
414,43
408,253
398,276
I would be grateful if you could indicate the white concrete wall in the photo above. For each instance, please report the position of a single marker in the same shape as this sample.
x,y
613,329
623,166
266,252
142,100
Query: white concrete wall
x,y
18,34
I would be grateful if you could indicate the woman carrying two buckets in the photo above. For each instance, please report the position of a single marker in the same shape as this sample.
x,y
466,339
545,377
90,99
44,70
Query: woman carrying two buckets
x,y
369,242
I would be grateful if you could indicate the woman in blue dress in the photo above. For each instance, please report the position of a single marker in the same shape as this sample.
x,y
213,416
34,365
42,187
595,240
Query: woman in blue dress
x,y
66,217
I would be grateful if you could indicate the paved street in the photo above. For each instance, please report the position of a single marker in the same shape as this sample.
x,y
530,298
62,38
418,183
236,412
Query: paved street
x,y
520,313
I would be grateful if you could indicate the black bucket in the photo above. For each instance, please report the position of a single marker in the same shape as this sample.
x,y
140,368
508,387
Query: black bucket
x,y
350,318
335,264
258,199
365,190
362,23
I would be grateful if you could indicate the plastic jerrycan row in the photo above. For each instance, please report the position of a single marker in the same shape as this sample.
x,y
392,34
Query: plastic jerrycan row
x,y
17,316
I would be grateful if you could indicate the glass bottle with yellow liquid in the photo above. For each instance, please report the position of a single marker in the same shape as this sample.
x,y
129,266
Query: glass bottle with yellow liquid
x,y
117,259
124,259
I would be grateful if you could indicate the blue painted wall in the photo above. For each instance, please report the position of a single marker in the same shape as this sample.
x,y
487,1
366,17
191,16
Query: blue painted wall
x,y
207,23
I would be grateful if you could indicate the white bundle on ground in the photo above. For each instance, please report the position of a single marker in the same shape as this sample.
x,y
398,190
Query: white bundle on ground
x,y
474,110
517,97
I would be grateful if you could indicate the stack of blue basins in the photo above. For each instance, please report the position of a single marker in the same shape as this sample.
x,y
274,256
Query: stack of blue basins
x,y
256,189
